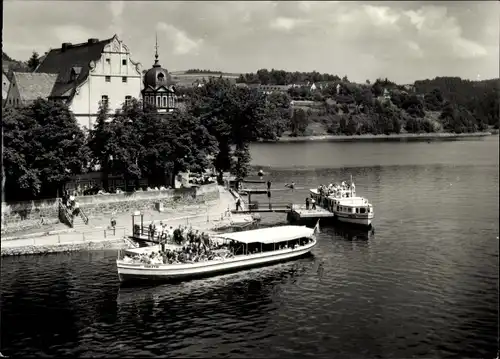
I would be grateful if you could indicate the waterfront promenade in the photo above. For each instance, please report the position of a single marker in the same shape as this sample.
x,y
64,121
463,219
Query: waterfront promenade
x,y
98,233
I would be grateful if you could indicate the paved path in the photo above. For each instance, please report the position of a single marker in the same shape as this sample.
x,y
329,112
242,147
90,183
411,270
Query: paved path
x,y
203,217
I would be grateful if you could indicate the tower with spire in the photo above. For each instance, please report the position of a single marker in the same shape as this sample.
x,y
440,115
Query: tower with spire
x,y
158,88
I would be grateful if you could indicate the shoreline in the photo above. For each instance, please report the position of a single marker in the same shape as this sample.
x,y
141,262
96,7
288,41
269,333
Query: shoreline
x,y
371,137
206,217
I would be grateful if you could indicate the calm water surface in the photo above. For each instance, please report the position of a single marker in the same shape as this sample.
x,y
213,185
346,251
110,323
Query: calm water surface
x,y
424,284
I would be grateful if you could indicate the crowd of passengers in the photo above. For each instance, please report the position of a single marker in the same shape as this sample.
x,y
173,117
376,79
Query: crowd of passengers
x,y
196,247
335,188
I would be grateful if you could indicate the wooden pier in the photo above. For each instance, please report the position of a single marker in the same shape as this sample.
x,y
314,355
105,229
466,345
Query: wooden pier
x,y
294,212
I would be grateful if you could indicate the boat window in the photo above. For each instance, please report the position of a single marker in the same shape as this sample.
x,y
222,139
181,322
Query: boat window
x,y
357,210
338,208
362,210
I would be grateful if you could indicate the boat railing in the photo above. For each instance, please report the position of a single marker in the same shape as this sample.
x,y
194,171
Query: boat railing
x,y
84,217
64,214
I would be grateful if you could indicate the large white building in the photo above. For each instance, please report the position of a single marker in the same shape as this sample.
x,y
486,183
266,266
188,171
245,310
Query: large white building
x,y
82,75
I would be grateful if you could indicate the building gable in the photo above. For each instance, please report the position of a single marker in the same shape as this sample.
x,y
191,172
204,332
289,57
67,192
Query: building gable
x,y
5,85
27,87
65,60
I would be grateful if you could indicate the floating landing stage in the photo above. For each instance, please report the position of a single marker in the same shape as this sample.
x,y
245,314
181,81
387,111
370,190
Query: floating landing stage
x,y
300,212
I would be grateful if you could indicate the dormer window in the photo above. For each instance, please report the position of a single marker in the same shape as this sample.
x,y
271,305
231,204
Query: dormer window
x,y
161,77
108,60
75,72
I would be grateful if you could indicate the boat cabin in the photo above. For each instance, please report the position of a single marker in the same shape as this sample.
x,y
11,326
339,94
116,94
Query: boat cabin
x,y
269,239
348,202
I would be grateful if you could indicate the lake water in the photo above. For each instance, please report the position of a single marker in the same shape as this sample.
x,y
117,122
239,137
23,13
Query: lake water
x,y
424,284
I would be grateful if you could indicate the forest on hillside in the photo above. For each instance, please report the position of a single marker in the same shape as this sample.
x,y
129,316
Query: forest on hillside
x,y
443,104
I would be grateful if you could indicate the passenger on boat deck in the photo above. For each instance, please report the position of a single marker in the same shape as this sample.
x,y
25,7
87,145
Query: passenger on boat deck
x,y
152,229
307,203
313,203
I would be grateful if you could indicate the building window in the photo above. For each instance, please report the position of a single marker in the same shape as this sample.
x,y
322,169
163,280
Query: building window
x,y
164,101
124,79
108,60
104,99
124,62
108,78
158,101
128,99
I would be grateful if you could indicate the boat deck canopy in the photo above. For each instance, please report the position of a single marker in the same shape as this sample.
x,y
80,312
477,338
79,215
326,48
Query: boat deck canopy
x,y
270,235
353,201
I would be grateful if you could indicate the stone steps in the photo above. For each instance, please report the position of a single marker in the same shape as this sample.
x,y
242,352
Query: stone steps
x,y
79,225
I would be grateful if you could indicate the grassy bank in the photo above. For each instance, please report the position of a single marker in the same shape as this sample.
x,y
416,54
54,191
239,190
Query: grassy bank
x,y
369,137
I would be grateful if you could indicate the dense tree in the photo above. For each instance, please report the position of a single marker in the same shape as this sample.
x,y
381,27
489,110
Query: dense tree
x,y
137,142
280,77
99,143
33,61
299,122
236,116
22,179
43,148
433,100
198,71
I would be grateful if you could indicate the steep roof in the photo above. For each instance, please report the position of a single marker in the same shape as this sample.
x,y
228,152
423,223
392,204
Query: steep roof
x,y
34,85
5,85
62,62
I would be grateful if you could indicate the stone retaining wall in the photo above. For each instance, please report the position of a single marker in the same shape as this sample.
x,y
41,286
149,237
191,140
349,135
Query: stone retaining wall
x,y
117,243
27,215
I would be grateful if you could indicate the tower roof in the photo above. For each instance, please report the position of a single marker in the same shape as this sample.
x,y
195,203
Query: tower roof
x,y
156,76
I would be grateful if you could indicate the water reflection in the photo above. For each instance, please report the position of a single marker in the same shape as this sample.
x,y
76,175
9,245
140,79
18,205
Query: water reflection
x,y
209,310
350,233
235,288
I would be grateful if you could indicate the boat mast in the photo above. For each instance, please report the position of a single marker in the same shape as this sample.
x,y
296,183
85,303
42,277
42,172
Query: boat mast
x,y
351,186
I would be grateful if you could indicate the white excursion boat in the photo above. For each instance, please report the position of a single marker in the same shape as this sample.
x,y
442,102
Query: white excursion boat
x,y
229,252
342,201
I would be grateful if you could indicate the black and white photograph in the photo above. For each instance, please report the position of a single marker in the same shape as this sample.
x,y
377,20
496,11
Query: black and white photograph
x,y
250,179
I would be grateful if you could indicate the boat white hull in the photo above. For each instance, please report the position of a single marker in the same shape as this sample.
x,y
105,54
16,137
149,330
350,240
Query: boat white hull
x,y
130,272
352,219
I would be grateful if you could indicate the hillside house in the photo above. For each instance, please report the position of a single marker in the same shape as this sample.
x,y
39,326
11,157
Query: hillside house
x,y
268,89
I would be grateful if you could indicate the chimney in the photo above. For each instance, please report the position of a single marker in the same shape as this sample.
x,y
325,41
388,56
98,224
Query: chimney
x,y
65,46
92,41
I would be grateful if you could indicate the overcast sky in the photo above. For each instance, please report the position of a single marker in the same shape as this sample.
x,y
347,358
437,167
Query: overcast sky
x,y
403,41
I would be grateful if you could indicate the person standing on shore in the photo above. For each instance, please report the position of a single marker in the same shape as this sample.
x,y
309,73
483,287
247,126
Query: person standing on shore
x,y
238,204
76,210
